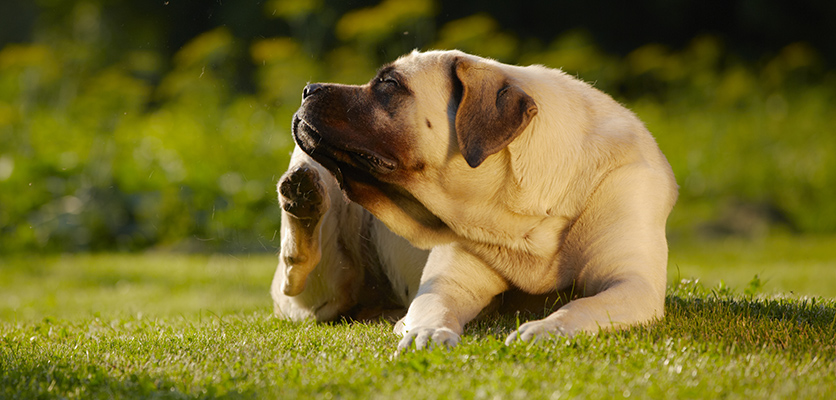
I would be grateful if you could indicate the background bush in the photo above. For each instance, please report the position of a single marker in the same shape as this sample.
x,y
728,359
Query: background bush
x,y
125,126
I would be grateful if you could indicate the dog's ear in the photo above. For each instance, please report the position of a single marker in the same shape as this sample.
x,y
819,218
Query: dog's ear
x,y
492,111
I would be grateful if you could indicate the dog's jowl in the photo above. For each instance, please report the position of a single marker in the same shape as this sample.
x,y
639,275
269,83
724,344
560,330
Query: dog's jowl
x,y
451,184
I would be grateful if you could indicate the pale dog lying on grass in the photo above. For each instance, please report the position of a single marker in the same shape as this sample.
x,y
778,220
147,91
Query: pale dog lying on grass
x,y
517,179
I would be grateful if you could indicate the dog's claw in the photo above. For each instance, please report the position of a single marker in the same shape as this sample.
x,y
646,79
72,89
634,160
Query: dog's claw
x,y
511,338
428,338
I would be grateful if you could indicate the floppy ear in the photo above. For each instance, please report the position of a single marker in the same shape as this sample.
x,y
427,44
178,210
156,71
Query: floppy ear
x,y
492,112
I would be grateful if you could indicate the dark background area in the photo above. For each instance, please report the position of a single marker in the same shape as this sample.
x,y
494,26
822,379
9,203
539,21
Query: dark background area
x,y
752,29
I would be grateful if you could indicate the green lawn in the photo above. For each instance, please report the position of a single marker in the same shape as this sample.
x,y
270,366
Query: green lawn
x,y
152,284
191,326
800,265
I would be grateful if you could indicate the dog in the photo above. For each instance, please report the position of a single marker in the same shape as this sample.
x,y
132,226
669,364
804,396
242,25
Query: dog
x,y
501,179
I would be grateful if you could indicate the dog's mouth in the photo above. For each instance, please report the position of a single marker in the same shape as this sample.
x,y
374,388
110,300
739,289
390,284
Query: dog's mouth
x,y
337,158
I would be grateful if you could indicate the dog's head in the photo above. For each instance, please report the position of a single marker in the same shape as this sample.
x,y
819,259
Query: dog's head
x,y
424,121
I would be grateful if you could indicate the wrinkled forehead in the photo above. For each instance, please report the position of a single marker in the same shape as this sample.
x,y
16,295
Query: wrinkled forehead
x,y
431,66
429,74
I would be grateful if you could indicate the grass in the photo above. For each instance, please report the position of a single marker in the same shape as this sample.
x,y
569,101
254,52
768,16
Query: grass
x,y
71,286
801,265
185,326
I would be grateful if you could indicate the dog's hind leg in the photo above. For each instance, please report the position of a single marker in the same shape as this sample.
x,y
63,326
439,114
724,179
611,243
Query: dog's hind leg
x,y
320,272
304,201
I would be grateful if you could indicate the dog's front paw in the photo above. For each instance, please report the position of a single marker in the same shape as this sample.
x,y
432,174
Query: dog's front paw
x,y
543,329
302,194
428,337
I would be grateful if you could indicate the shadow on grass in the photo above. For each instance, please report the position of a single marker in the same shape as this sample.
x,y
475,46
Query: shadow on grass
x,y
734,324
53,376
97,384
48,378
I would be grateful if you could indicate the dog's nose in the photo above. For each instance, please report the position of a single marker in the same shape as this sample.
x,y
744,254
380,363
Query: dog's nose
x,y
311,89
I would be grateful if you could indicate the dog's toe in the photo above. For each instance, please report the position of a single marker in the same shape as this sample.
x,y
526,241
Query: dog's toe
x,y
536,331
429,338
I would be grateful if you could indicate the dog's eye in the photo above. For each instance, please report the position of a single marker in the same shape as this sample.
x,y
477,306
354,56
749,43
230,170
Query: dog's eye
x,y
389,81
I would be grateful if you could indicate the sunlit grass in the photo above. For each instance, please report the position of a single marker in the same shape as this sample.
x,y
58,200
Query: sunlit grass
x,y
196,326
156,284
709,346
801,265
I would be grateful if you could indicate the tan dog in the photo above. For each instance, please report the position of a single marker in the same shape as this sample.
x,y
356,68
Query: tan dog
x,y
514,178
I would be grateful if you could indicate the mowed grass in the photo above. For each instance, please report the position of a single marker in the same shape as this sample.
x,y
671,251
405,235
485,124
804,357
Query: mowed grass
x,y
155,284
187,326
784,264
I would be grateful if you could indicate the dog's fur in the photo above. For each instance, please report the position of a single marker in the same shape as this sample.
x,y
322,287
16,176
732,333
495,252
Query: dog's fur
x,y
510,178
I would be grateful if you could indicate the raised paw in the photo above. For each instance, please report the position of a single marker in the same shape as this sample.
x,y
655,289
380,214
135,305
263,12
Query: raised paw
x,y
302,194
536,331
428,338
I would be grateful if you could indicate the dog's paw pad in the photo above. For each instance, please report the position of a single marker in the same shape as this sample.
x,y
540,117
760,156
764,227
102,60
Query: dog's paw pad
x,y
302,193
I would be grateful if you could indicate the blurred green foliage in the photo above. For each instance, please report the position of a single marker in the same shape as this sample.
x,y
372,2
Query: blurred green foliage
x,y
137,148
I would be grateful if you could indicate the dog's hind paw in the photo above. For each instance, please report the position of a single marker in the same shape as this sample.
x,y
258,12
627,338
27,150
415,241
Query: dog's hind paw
x,y
302,194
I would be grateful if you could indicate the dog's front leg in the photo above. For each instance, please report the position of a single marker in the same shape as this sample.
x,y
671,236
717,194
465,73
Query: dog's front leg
x,y
628,302
455,287
622,255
